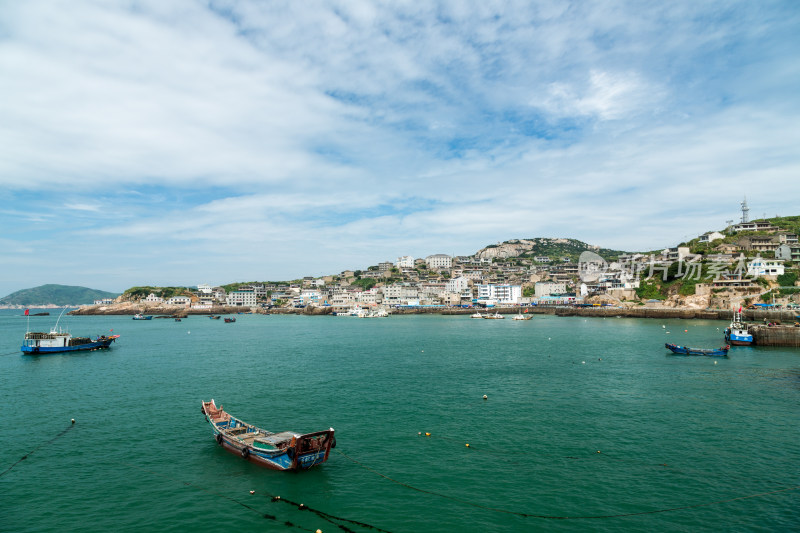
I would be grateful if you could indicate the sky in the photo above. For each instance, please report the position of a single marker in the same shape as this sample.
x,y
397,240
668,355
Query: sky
x,y
185,142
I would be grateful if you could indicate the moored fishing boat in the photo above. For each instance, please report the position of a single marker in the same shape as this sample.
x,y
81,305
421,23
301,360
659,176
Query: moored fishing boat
x,y
685,350
139,316
738,333
477,314
60,341
520,316
495,316
280,451
230,319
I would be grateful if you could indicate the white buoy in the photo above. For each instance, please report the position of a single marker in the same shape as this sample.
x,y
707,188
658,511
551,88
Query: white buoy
x,y
73,420
715,362
583,362
485,397
663,326
252,492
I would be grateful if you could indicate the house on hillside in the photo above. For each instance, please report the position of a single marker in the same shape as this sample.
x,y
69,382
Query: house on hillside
x,y
711,236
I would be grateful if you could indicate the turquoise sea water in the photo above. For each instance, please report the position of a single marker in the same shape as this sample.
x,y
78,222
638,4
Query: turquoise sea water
x,y
719,441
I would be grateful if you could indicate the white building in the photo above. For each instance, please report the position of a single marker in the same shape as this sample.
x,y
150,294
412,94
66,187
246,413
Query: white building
x,y
503,294
765,267
180,300
405,262
458,285
548,288
104,301
154,299
241,298
711,236
400,294
439,262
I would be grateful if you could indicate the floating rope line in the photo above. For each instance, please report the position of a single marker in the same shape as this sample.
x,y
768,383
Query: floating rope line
x,y
556,517
10,353
503,455
218,495
302,507
329,517
60,434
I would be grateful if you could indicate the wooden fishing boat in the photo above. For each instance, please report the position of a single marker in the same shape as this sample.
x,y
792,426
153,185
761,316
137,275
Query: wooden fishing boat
x,y
280,451
139,316
685,350
230,319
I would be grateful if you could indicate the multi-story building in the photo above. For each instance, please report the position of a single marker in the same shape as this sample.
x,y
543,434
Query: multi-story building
x,y
765,267
439,262
505,294
405,261
241,298
549,288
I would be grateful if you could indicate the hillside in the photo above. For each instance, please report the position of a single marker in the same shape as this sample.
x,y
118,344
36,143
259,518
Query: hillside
x,y
55,295
555,249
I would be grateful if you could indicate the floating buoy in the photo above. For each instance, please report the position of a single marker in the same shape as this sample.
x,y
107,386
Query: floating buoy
x,y
598,451
319,531
583,362
686,331
302,506
548,338
252,492
188,332
276,498
73,420
715,362
419,433
663,326
427,434
599,358
485,397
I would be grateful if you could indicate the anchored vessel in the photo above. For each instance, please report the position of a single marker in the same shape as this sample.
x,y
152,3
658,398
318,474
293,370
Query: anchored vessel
x,y
60,341
685,350
139,316
737,333
280,451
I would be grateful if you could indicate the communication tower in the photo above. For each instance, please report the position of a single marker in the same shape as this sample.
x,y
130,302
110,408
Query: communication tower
x,y
745,211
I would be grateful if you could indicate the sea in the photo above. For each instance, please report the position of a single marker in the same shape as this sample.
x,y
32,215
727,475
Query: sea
x,y
588,424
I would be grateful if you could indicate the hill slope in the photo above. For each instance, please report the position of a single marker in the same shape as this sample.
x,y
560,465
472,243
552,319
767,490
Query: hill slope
x,y
555,249
55,295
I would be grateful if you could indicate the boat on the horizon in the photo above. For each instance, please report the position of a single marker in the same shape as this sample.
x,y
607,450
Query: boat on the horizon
x,y
685,350
140,316
280,451
738,334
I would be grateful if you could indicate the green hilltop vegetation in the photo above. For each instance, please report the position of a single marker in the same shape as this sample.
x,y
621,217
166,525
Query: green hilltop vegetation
x,y
55,295
138,293
555,249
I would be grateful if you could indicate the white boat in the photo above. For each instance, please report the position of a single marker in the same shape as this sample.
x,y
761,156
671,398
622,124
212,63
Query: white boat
x,y
477,315
520,316
495,316
738,333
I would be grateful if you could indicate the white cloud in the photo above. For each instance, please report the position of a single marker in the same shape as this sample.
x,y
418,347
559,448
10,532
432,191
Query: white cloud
x,y
271,138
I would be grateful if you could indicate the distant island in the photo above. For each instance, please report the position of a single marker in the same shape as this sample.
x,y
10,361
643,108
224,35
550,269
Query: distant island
x,y
53,295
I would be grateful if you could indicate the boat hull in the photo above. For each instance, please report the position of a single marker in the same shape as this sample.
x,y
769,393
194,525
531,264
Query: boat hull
x,y
685,350
738,338
97,345
296,452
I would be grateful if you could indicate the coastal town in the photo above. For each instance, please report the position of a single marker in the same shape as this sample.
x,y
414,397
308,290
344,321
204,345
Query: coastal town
x,y
750,264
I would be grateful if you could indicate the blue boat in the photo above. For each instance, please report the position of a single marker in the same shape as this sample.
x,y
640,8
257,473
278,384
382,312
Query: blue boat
x,y
738,333
685,350
139,316
280,451
58,341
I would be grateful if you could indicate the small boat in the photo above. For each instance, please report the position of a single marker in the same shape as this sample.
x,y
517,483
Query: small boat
x,y
737,333
280,451
214,317
520,316
230,319
495,316
177,320
139,316
476,315
685,350
60,341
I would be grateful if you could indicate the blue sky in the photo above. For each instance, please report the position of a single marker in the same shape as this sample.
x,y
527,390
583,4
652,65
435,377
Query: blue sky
x,y
185,142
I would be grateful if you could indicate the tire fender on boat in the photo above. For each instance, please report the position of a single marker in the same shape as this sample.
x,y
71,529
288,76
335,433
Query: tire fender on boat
x,y
245,452
290,453
219,438
333,442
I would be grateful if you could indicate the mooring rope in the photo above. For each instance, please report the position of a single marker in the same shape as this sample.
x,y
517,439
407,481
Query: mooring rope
x,y
60,434
558,517
329,517
9,353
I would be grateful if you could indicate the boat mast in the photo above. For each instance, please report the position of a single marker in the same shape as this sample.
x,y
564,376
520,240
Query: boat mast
x,y
55,328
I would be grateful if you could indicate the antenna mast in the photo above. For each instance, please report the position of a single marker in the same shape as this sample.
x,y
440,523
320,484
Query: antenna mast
x,y
745,211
